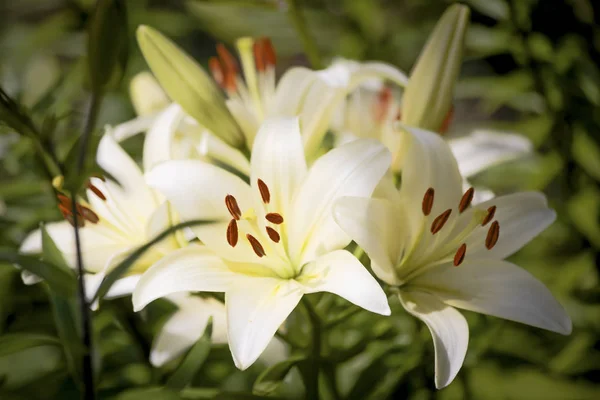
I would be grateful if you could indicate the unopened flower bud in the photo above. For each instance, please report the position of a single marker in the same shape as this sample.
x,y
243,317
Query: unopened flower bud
x,y
428,96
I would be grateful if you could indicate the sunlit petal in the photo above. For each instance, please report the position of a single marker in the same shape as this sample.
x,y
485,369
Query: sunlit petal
x,y
448,328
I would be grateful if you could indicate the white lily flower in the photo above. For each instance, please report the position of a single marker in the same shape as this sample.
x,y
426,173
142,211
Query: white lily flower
x,y
171,134
373,109
442,252
310,95
277,239
117,218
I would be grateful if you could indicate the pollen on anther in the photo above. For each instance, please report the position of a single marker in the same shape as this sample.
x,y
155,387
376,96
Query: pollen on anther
x,y
96,191
492,236
428,201
269,52
88,214
489,216
274,218
63,200
232,233
259,55
466,200
232,207
256,246
216,70
459,257
439,221
264,191
273,234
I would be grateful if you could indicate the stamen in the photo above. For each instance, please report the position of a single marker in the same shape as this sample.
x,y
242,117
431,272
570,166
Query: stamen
x,y
269,52
96,191
63,200
447,121
273,234
259,55
492,235
64,210
230,68
227,58
88,214
216,69
428,201
232,207
256,246
274,218
466,200
232,233
383,102
459,257
264,191
490,215
71,220
439,222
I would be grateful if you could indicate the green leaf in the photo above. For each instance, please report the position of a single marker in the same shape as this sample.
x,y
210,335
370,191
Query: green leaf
x,y
60,280
270,379
51,253
107,43
15,342
148,394
586,152
240,396
124,265
66,321
193,361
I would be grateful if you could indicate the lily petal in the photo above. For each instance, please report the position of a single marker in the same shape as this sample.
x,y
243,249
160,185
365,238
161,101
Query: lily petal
x,y
191,269
159,139
373,225
522,216
132,193
484,148
186,326
97,245
353,169
341,273
370,70
290,91
132,127
256,307
198,189
278,160
429,163
498,288
220,152
449,331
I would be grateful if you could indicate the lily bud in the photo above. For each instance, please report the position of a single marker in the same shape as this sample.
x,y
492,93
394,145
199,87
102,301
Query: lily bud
x,y
188,85
428,96
146,94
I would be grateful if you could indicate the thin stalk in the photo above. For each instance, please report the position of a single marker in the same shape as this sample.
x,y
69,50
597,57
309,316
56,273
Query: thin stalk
x,y
312,384
86,329
286,338
308,42
343,316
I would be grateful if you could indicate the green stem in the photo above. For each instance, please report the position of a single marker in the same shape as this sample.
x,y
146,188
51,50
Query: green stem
x,y
89,392
343,316
312,381
309,44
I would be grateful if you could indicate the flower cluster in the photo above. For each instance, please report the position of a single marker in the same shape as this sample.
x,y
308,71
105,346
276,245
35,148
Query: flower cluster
x,y
245,153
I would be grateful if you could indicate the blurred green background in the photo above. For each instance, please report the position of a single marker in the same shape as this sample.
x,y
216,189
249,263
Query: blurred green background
x,y
532,67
